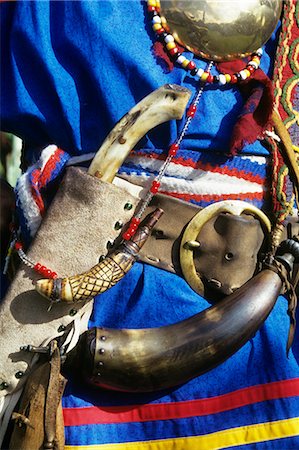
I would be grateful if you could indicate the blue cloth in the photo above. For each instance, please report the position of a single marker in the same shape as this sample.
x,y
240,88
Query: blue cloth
x,y
70,71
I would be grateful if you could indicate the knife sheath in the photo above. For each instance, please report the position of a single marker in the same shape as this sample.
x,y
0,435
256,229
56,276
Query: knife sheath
x,y
73,235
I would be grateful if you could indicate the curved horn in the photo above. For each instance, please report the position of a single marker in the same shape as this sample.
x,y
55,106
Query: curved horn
x,y
168,102
144,360
103,275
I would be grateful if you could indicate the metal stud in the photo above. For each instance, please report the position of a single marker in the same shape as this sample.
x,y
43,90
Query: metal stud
x,y
109,245
19,374
228,256
128,206
73,312
101,258
61,328
192,244
103,338
118,225
101,351
100,364
4,385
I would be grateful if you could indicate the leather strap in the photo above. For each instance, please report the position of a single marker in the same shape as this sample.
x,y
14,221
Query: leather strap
x,y
162,247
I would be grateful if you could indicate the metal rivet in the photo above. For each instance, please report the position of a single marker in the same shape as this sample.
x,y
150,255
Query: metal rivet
x,y
192,245
73,312
101,351
229,256
118,225
103,338
99,374
128,206
100,364
19,374
101,258
61,328
4,385
109,245
159,234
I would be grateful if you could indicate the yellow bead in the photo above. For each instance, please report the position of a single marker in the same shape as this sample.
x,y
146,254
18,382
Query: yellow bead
x,y
185,63
204,76
248,73
228,78
170,45
158,4
157,26
256,59
152,3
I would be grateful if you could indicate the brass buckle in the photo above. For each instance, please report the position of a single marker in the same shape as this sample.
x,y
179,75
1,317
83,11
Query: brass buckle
x,y
189,241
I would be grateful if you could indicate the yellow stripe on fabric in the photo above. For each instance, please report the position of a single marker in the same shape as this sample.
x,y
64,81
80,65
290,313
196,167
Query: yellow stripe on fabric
x,y
222,439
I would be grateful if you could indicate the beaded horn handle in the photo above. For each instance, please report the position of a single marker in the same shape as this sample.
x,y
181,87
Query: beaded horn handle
x,y
168,102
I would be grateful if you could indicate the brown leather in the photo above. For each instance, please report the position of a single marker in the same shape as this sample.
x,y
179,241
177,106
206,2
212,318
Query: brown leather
x,y
226,234
39,420
228,255
162,247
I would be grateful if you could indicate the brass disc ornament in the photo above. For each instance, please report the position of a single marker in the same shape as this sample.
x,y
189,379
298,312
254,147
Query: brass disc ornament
x,y
221,30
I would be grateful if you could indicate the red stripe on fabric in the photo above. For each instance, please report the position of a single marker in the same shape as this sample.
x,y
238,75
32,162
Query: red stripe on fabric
x,y
35,191
214,197
207,167
50,167
178,410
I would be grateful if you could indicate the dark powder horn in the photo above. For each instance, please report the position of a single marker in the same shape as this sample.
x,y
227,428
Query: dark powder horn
x,y
144,360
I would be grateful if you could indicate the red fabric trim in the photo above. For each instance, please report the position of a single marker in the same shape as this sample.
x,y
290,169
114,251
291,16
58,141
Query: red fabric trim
x,y
207,167
216,197
50,165
177,410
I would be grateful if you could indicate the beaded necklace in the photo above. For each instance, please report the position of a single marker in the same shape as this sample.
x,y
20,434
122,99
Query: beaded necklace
x,y
160,27
204,77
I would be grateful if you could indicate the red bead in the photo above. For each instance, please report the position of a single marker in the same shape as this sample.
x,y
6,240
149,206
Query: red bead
x,y
155,187
43,270
191,110
191,65
173,149
160,31
173,51
135,220
18,245
151,8
127,236
234,79
48,273
37,267
210,78
53,275
250,68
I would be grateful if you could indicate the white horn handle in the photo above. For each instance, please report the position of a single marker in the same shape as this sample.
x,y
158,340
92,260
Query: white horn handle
x,y
166,103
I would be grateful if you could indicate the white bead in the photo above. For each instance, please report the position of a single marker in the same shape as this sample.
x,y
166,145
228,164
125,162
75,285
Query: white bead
x,y
243,75
156,19
222,79
181,59
169,38
253,64
199,73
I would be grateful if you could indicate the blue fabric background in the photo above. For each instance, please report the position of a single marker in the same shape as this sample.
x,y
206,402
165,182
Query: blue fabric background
x,y
72,69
